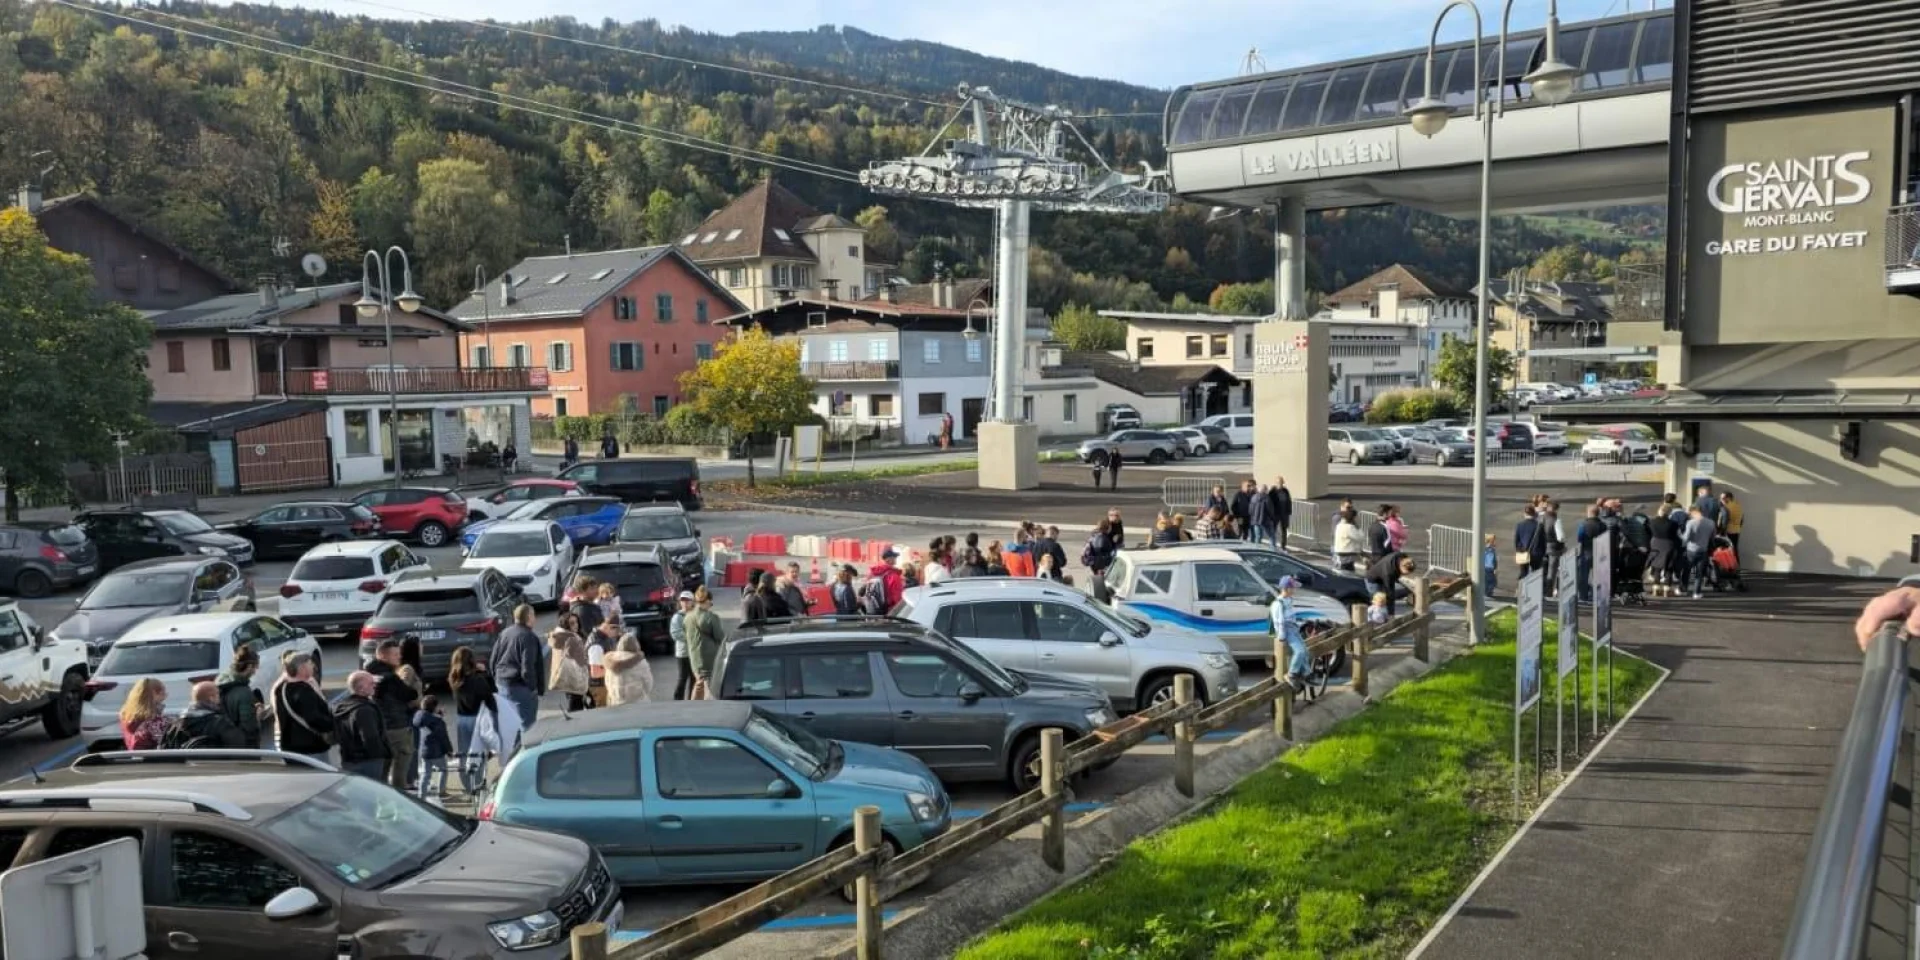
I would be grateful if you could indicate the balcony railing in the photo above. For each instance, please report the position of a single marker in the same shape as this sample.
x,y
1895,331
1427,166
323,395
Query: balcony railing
x,y
843,370
1903,248
345,381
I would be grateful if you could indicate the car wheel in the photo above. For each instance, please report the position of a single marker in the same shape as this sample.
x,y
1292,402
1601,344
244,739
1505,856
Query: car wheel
x,y
1023,768
1159,690
1156,457
1440,459
1354,458
61,718
32,584
889,849
1179,453
432,533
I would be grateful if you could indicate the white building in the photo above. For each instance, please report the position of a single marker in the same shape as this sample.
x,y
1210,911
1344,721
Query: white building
x,y
1387,330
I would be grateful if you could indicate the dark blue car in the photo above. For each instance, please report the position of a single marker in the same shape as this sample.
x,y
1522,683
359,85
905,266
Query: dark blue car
x,y
588,521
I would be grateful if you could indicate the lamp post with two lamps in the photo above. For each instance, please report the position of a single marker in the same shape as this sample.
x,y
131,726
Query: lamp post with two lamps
x,y
1553,82
370,306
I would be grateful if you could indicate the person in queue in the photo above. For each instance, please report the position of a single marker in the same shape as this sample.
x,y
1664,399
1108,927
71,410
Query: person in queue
x,y
143,718
361,730
302,721
519,667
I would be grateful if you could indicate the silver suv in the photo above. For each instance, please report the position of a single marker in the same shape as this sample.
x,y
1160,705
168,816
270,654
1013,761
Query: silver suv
x,y
1148,446
1358,446
1032,625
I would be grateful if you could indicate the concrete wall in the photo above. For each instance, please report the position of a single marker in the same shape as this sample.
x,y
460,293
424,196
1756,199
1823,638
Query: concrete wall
x,y
842,254
953,355
1169,342
199,381
1290,405
954,390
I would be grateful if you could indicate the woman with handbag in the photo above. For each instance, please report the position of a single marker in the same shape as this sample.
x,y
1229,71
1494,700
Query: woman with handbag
x,y
302,718
1529,543
568,671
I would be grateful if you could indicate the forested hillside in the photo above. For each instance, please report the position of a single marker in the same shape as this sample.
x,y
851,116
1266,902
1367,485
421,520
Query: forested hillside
x,y
223,146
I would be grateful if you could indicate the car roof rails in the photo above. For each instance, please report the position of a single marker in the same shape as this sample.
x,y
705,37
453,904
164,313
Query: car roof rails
x,y
120,798
127,758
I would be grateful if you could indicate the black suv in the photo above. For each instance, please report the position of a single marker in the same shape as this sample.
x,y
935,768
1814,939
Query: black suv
x,y
124,536
898,684
667,526
445,611
247,853
640,480
639,574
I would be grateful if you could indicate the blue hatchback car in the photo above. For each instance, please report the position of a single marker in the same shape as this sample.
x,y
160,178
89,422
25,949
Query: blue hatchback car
x,y
707,791
588,521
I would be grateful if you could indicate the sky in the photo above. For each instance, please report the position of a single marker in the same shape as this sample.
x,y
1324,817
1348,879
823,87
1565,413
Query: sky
x,y
1152,42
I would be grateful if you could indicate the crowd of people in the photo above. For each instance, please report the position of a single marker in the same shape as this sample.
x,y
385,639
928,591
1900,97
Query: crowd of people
x,y
1669,550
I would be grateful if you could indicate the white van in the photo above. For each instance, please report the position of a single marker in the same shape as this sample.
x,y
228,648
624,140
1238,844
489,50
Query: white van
x,y
1212,590
1239,427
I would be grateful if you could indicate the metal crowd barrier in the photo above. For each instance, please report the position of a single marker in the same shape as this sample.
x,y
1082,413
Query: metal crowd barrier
x,y
1450,549
1305,524
1186,494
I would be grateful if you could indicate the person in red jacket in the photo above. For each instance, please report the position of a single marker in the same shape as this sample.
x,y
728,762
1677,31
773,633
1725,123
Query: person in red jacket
x,y
890,576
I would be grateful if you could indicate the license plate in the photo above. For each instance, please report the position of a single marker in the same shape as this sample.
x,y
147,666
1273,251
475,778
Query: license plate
x,y
86,571
431,634
330,595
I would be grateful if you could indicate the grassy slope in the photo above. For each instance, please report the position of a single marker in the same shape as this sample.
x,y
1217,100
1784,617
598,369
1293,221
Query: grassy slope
x,y
1350,846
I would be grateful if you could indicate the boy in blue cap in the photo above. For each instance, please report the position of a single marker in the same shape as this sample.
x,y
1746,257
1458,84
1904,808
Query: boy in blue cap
x,y
1286,625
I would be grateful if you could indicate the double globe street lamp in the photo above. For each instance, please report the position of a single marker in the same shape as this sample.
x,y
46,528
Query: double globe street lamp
x,y
1553,82
369,306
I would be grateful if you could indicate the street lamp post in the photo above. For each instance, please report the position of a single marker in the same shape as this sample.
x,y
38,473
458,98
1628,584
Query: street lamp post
x,y
971,334
1553,82
486,309
382,306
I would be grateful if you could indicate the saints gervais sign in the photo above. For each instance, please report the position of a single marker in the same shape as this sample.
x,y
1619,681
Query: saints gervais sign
x,y
1793,200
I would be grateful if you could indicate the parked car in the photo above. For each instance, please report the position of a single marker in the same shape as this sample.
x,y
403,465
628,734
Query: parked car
x,y
146,589
667,526
48,674
642,577
1211,590
1346,413
181,651
271,854
1442,448
126,536
428,515
1401,438
1549,438
496,504
1030,625
642,480
1121,416
1357,446
1149,446
444,610
1193,442
589,521
1511,435
1239,427
291,529
1619,447
37,558
1345,589
1218,439
898,684
709,791
534,554
335,587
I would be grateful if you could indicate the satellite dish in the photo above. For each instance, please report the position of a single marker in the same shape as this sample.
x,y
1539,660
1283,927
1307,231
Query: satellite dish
x,y
313,265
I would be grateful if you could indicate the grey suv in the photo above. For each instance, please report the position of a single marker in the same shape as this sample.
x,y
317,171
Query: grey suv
x,y
39,558
445,611
667,526
146,589
248,853
1149,446
897,684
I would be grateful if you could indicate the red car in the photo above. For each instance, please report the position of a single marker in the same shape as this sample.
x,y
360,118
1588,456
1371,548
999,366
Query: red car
x,y
430,515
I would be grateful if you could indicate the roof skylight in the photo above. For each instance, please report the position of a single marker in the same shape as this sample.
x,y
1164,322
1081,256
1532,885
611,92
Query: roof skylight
x,y
556,278
782,234
733,234
602,275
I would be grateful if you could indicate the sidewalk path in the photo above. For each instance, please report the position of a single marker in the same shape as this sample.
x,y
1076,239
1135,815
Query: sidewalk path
x,y
1686,835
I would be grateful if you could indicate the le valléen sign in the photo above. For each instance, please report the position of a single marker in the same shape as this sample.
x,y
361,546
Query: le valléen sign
x,y
1787,194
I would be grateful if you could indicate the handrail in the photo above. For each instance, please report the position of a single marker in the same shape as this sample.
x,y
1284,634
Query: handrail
x,y
1837,885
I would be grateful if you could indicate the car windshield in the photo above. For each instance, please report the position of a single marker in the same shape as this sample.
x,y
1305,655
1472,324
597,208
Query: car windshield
x,y
525,511
512,543
66,536
1365,435
146,658
1136,626
659,526
332,568
367,834
182,523
136,590
800,749
965,655
420,604
1453,436
645,576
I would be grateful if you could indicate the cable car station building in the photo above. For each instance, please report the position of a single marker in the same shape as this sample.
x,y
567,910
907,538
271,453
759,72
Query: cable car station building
x,y
1786,323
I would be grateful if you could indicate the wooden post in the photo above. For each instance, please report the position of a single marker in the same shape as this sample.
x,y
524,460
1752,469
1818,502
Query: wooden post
x,y
1282,704
1360,648
1422,605
1183,738
867,924
590,941
1053,828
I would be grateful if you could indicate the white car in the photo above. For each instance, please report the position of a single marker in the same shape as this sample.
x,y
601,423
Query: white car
x,y
181,651
1212,590
535,554
1239,427
1193,442
1617,449
335,587
1549,438
496,504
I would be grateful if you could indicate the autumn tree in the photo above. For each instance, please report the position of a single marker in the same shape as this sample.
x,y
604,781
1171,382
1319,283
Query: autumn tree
x,y
1243,299
1081,328
753,385
58,341
331,229
1454,370
459,219
883,241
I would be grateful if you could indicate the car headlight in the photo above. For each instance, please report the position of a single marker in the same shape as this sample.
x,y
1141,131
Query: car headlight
x,y
925,808
1099,716
534,930
545,569
211,551
1218,661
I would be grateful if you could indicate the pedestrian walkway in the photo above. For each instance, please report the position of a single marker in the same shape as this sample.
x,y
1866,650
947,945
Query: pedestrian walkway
x,y
1686,833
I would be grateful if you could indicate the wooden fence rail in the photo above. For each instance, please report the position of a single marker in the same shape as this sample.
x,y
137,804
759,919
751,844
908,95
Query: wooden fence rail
x,y
878,878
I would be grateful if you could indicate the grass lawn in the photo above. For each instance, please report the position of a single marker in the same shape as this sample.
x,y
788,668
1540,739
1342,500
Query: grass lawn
x,y
1350,846
802,480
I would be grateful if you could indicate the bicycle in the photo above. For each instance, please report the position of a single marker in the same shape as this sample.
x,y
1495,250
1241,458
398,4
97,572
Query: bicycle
x,y
1322,668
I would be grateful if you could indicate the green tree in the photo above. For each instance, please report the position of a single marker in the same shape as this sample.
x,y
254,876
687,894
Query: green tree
x,y
883,241
1081,328
753,385
381,202
58,340
1243,299
332,230
667,217
459,220
1454,370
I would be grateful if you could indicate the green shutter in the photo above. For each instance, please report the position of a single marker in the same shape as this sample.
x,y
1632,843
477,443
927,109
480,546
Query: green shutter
x,y
613,361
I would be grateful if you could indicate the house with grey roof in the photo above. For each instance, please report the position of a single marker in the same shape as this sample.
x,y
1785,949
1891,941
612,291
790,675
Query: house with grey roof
x,y
598,326
132,264
769,245
1388,329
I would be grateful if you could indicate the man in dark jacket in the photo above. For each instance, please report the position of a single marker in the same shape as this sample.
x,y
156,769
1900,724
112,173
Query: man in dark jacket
x,y
1261,525
395,698
301,717
362,734
519,666
1385,574
1241,510
1280,508
587,612
1049,544
1529,538
237,699
1591,529
204,726
1379,540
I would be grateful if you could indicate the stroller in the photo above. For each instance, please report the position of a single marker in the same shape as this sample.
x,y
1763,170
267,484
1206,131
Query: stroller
x,y
1723,567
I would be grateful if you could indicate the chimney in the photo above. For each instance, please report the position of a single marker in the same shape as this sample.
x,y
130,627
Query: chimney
x,y
506,290
269,292
943,291
887,292
30,198
831,288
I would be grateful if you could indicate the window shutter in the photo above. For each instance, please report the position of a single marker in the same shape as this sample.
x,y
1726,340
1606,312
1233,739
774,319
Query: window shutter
x,y
614,360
